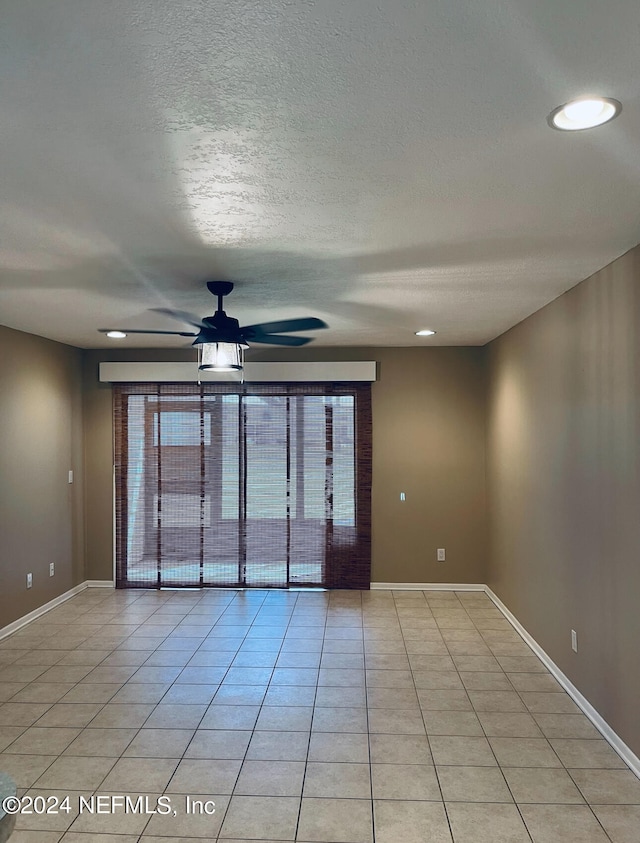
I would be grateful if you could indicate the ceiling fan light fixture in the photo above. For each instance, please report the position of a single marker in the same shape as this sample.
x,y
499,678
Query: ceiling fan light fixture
x,y
221,356
116,335
425,332
584,113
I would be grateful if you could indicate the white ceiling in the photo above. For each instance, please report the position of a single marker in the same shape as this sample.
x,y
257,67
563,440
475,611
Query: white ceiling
x,y
386,167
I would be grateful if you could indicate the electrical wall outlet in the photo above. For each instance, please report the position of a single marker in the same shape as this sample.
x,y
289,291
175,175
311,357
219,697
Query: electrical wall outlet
x,y
441,554
574,641
403,497
52,568
29,580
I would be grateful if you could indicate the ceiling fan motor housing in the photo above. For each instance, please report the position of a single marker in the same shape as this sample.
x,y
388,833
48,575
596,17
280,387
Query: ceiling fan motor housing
x,y
220,328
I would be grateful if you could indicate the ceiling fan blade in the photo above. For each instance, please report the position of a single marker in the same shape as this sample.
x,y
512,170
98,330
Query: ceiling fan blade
x,y
180,315
275,339
135,331
308,324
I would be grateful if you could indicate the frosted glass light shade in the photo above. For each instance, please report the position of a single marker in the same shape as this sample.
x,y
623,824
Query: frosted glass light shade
x,y
221,356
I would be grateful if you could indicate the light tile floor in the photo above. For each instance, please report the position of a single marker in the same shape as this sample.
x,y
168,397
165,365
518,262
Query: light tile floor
x,y
341,717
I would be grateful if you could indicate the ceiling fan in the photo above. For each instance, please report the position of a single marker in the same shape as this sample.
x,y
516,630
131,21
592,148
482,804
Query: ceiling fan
x,y
220,338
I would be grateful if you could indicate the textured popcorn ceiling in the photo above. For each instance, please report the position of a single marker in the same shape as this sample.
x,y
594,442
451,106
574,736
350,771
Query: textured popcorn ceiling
x,y
384,166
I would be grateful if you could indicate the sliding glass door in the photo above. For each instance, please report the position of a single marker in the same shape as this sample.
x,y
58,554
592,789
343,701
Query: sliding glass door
x,y
236,486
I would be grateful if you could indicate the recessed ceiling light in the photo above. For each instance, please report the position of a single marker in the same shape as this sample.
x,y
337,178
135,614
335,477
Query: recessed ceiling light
x,y
426,332
116,335
584,113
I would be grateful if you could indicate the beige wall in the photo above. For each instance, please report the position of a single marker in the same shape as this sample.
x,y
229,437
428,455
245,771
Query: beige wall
x,y
41,435
428,429
563,462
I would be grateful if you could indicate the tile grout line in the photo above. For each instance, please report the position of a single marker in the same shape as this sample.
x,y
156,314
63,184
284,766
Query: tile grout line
x,y
487,738
315,697
366,714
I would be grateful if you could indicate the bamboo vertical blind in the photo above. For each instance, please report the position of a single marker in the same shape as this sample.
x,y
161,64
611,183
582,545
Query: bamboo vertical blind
x,y
264,485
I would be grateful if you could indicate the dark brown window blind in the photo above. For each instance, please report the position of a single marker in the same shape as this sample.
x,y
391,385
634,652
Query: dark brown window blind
x,y
267,485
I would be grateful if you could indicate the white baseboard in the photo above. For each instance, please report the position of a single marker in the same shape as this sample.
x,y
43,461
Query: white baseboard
x,y
426,586
42,610
47,607
581,701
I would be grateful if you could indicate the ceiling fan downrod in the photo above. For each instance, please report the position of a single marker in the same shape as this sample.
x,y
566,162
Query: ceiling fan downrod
x,y
220,289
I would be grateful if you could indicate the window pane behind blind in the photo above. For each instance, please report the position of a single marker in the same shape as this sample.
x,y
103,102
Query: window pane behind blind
x,y
221,485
